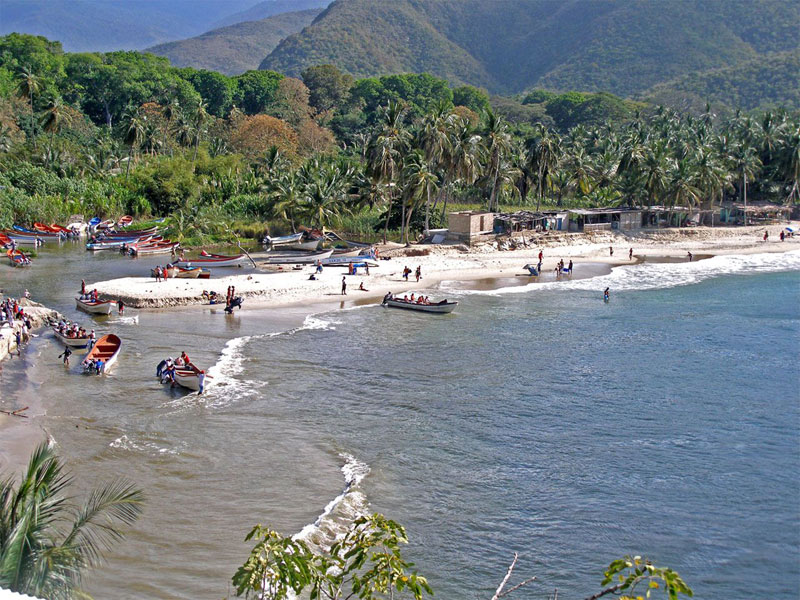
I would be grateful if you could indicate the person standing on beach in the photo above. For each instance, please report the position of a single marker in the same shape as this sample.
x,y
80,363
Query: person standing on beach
x,y
783,235
630,254
120,306
541,256
766,235
344,286
419,273
611,250
690,256
570,268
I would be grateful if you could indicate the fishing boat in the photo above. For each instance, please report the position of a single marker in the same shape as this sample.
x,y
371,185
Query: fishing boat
x,y
105,349
125,221
26,234
182,272
346,260
213,260
22,240
297,258
5,240
442,307
72,342
18,258
95,307
127,233
283,241
163,247
188,377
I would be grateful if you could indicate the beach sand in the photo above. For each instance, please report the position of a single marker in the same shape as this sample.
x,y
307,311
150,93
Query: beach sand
x,y
439,263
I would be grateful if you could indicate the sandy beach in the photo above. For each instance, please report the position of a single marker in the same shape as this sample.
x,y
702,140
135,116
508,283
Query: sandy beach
x,y
287,287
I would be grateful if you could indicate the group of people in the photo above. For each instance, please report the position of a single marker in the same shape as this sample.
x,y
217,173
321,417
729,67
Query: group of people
x,y
417,272
412,300
73,331
94,366
161,273
165,371
91,296
10,313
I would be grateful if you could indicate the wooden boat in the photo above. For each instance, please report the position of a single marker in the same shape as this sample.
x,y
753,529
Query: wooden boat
x,y
32,236
213,260
204,274
107,349
181,272
22,240
53,235
442,307
18,258
125,221
4,240
72,342
187,376
283,241
165,247
100,307
132,233
297,258
346,260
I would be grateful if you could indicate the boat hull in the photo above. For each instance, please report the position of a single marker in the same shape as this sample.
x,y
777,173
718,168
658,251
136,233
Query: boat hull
x,y
107,348
101,307
299,259
211,261
71,342
441,308
187,378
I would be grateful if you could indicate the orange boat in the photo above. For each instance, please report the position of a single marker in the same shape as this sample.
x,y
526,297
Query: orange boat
x,y
18,258
105,349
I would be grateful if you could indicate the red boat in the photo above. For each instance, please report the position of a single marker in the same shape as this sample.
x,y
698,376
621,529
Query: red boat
x,y
125,221
18,258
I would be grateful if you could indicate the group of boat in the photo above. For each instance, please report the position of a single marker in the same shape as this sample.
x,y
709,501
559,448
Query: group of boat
x,y
133,242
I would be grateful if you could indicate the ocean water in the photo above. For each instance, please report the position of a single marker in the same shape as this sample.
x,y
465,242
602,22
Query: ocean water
x,y
535,419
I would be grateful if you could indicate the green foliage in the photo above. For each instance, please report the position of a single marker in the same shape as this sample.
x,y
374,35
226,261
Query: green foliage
x,y
366,563
216,89
633,571
418,93
255,90
471,97
328,86
46,541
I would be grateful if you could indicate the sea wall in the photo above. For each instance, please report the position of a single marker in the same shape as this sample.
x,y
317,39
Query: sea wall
x,y
40,316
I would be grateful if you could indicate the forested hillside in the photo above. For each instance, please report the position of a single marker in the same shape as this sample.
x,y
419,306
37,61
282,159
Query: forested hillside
x,y
766,81
236,48
99,25
269,8
508,46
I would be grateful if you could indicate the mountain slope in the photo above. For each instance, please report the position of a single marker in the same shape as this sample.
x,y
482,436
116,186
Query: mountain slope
x,y
236,48
621,46
764,82
270,8
100,25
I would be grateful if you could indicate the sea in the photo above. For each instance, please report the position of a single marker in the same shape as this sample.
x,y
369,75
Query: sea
x,y
535,419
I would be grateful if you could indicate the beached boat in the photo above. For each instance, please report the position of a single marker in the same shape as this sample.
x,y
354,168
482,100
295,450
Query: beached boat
x,y
22,241
125,221
165,247
440,307
284,240
26,234
5,240
182,272
188,377
346,260
100,307
132,233
106,349
18,258
213,260
72,342
297,258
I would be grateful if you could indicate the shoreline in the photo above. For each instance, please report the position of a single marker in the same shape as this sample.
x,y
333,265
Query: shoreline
x,y
289,287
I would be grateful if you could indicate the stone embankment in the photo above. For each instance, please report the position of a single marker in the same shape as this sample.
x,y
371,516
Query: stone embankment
x,y
40,316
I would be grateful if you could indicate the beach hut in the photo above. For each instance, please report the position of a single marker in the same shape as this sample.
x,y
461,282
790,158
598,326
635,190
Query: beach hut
x,y
605,219
467,225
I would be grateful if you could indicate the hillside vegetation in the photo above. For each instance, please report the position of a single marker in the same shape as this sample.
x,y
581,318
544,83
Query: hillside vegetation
x,y
236,48
270,8
620,46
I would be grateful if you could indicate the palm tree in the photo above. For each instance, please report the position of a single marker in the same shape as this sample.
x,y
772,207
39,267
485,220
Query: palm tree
x,y
46,542
747,165
199,117
710,177
465,156
497,145
55,117
420,182
171,112
134,132
385,152
29,84
543,159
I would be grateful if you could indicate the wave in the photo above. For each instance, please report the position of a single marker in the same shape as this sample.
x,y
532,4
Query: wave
x,y
650,276
149,447
339,513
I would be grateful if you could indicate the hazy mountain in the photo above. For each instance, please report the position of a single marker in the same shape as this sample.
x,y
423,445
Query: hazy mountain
x,y
236,48
103,25
268,8
621,46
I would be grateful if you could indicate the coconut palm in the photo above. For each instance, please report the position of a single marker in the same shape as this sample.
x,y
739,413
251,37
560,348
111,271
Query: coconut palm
x,y
28,85
386,150
497,145
46,541
419,182
134,132
199,117
55,117
747,165
543,159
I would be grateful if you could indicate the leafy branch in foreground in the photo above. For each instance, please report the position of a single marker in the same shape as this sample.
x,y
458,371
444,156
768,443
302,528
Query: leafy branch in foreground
x,y
39,554
632,572
366,563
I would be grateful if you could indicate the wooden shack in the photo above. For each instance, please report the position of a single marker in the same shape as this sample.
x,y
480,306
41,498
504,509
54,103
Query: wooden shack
x,y
468,224
605,219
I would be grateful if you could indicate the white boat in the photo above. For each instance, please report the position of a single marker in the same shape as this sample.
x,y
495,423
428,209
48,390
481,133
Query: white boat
x,y
107,349
289,258
345,260
283,241
308,245
442,307
72,342
188,377
100,307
